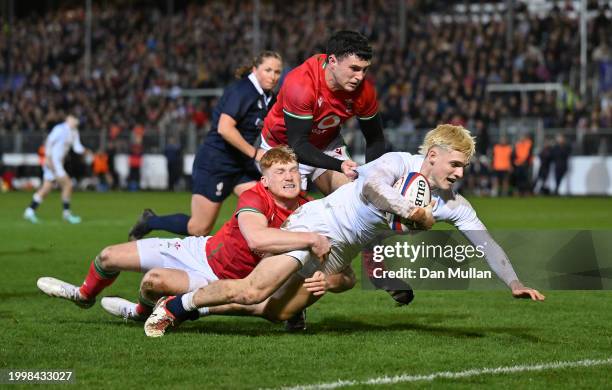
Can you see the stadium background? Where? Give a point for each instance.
(153, 71)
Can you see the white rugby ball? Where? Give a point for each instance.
(414, 187)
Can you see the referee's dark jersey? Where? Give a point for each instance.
(247, 107)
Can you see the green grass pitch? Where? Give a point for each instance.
(353, 336)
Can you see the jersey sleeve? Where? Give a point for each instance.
(368, 102)
(53, 138)
(251, 201)
(235, 103)
(77, 146)
(460, 213)
(298, 96)
(379, 177)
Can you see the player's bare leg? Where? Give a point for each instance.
(103, 271)
(260, 284)
(288, 300)
(204, 213)
(155, 283)
(30, 212)
(65, 183)
(330, 181)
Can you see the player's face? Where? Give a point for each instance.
(283, 180)
(268, 73)
(348, 72)
(446, 167)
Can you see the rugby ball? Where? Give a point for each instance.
(414, 187)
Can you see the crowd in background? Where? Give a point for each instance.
(142, 57)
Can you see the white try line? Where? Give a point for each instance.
(386, 380)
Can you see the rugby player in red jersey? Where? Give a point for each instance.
(316, 98)
(193, 262)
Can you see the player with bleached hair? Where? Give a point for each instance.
(351, 217)
(63, 137)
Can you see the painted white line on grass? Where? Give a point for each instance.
(385, 380)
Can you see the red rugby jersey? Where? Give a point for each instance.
(305, 95)
(227, 251)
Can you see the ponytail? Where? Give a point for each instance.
(245, 70)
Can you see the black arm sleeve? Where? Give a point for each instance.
(372, 130)
(297, 135)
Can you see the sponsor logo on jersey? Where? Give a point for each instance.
(328, 122)
(349, 105)
(320, 101)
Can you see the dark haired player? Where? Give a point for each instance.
(315, 99)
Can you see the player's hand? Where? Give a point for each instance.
(259, 154)
(349, 168)
(520, 291)
(423, 216)
(320, 246)
(316, 284)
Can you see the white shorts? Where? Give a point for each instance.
(335, 149)
(53, 169)
(187, 254)
(311, 218)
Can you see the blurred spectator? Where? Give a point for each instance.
(174, 162)
(111, 152)
(560, 157)
(540, 186)
(135, 163)
(502, 167)
(100, 169)
(521, 162)
(142, 59)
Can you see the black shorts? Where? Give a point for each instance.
(215, 174)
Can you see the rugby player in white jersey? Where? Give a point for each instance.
(351, 218)
(62, 138)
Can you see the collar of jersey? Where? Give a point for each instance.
(259, 88)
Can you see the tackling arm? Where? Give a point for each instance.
(261, 238)
(298, 131)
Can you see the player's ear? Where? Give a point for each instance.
(432, 155)
(264, 181)
(332, 60)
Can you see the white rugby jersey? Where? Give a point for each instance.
(353, 221)
(60, 140)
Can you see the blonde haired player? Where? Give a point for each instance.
(62, 138)
(351, 218)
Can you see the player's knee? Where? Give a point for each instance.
(106, 257)
(153, 283)
(197, 228)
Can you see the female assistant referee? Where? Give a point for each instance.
(225, 161)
